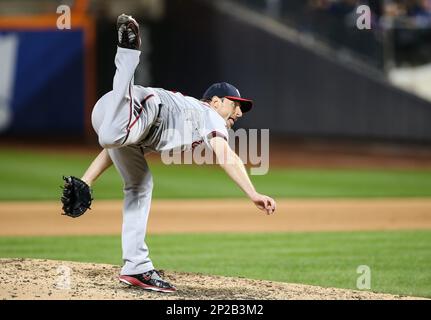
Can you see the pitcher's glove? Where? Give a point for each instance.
(76, 198)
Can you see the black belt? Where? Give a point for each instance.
(156, 123)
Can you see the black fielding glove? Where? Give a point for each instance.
(76, 197)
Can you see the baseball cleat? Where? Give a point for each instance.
(150, 280)
(128, 32)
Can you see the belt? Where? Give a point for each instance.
(156, 124)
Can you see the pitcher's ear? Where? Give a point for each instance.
(215, 101)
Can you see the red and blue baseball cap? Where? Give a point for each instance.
(226, 90)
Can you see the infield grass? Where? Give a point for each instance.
(399, 261)
(26, 175)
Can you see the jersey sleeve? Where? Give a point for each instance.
(215, 126)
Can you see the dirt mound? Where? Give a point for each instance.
(47, 279)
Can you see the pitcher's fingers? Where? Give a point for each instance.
(273, 205)
(265, 206)
(267, 203)
(270, 209)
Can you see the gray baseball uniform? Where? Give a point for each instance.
(132, 120)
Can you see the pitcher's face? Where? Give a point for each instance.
(228, 109)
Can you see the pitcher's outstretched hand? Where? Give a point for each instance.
(264, 203)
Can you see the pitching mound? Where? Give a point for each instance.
(46, 279)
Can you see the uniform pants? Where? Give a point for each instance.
(121, 118)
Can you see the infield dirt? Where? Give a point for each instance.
(45, 279)
(227, 215)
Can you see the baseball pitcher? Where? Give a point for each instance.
(131, 121)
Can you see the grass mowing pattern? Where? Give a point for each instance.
(37, 176)
(399, 261)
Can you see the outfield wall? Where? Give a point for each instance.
(47, 78)
(297, 91)
(50, 86)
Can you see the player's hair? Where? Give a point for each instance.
(209, 100)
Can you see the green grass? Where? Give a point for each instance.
(37, 176)
(399, 261)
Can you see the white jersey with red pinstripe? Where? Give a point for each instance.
(185, 123)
